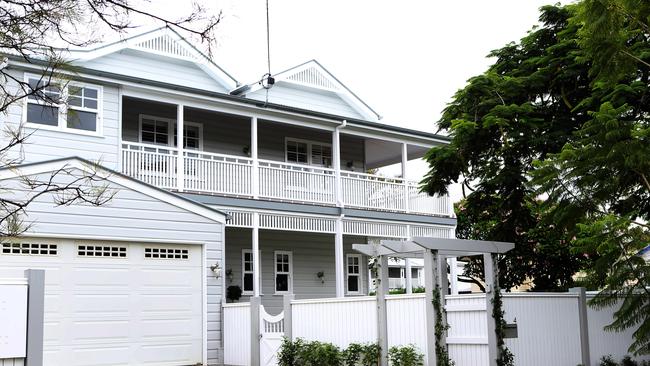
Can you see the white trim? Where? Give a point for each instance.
(62, 121)
(289, 274)
(108, 238)
(130, 183)
(357, 275)
(205, 271)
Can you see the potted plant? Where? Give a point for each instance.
(233, 293)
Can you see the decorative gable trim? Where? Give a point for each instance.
(164, 42)
(313, 75)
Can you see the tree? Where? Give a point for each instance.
(521, 109)
(40, 32)
(603, 173)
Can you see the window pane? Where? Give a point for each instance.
(282, 282)
(394, 272)
(43, 115)
(148, 137)
(75, 90)
(90, 93)
(353, 283)
(90, 103)
(80, 120)
(248, 282)
(74, 101)
(414, 273)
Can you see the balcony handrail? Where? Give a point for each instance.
(230, 159)
(280, 165)
(159, 149)
(371, 177)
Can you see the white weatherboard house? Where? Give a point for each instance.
(206, 173)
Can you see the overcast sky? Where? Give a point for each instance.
(404, 58)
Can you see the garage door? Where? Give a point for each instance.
(109, 303)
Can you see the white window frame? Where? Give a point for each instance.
(275, 272)
(244, 272)
(63, 107)
(171, 126)
(357, 275)
(310, 144)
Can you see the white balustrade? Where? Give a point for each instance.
(217, 173)
(155, 165)
(213, 173)
(295, 182)
(373, 191)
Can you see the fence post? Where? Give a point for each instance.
(491, 286)
(584, 324)
(288, 327)
(382, 313)
(35, 316)
(430, 282)
(255, 303)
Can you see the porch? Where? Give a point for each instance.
(239, 156)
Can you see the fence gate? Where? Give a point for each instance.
(272, 331)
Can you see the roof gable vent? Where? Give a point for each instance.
(166, 45)
(312, 77)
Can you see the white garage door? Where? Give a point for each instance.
(115, 303)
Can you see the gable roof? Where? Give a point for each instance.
(163, 41)
(312, 75)
(117, 178)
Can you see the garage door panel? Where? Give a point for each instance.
(118, 311)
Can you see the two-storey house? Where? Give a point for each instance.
(217, 183)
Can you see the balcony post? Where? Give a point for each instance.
(339, 258)
(256, 253)
(180, 168)
(255, 176)
(336, 164)
(405, 159)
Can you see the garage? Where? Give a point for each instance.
(115, 302)
(127, 282)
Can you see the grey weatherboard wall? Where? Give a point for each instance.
(312, 253)
(128, 216)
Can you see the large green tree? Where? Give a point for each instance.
(521, 109)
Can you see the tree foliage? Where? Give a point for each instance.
(554, 138)
(521, 109)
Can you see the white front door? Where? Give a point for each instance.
(115, 303)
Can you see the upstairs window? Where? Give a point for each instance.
(154, 130)
(192, 137)
(157, 131)
(73, 107)
(308, 152)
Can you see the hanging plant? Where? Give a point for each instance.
(442, 354)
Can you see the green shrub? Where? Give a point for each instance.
(626, 361)
(302, 353)
(405, 356)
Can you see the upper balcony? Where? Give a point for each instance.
(230, 155)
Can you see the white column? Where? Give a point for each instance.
(430, 280)
(336, 164)
(453, 275)
(339, 258)
(405, 159)
(407, 270)
(255, 176)
(256, 254)
(180, 168)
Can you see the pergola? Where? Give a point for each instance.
(435, 252)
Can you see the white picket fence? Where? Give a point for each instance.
(548, 327)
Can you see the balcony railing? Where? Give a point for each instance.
(229, 175)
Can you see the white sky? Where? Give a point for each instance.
(406, 59)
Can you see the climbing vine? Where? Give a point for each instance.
(505, 357)
(442, 355)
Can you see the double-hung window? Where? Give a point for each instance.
(354, 273)
(71, 107)
(283, 269)
(308, 152)
(247, 271)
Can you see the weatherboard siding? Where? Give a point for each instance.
(312, 253)
(148, 66)
(321, 101)
(131, 215)
(45, 144)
